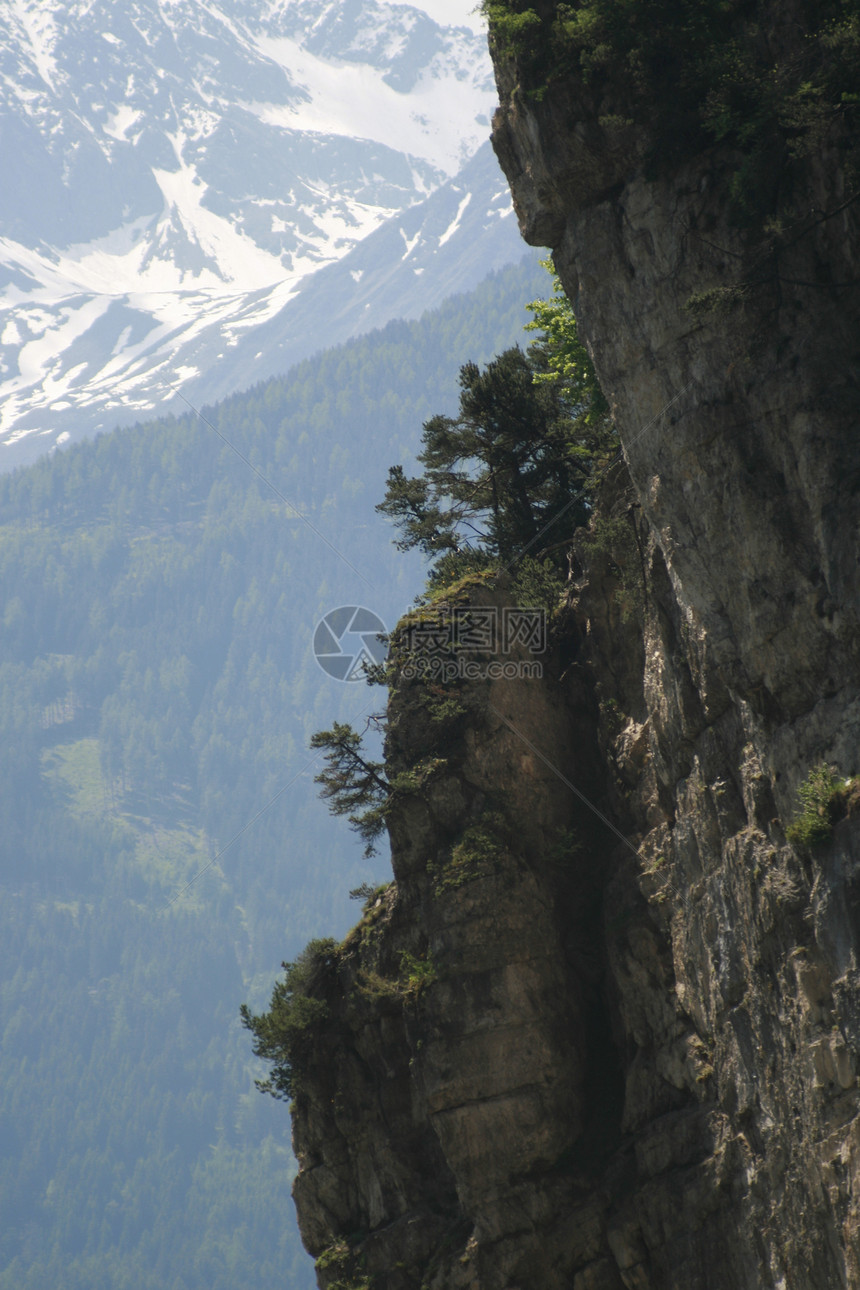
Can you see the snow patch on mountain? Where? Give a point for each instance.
(182, 171)
(455, 223)
(350, 99)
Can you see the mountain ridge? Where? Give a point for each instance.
(185, 172)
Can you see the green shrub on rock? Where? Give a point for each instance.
(282, 1034)
(825, 799)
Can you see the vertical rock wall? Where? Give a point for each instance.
(633, 1061)
(741, 430)
(449, 1106)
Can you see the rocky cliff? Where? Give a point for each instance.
(604, 1029)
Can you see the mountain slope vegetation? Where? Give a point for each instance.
(163, 845)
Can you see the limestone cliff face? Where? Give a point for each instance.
(455, 1084)
(741, 435)
(632, 1061)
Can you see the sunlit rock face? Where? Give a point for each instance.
(678, 1012)
(740, 429)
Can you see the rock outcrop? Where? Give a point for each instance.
(452, 1089)
(604, 1029)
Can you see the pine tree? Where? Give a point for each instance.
(511, 473)
(352, 784)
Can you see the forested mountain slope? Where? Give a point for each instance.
(157, 695)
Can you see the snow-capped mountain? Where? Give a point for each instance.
(444, 245)
(176, 170)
